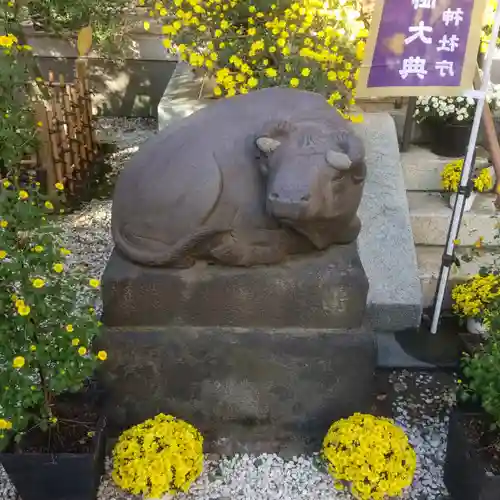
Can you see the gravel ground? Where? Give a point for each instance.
(86, 232)
(419, 402)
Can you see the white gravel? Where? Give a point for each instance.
(421, 406)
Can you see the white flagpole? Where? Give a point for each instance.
(466, 176)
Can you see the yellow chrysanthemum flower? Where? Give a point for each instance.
(102, 355)
(5, 424)
(58, 267)
(18, 362)
(24, 310)
(38, 283)
(271, 72)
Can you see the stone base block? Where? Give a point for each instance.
(324, 290)
(246, 390)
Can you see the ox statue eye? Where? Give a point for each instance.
(339, 161)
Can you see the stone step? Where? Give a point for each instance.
(422, 168)
(429, 264)
(430, 217)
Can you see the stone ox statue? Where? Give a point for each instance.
(246, 181)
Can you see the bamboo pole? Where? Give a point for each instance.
(64, 153)
(81, 71)
(54, 137)
(80, 137)
(73, 130)
(70, 130)
(44, 152)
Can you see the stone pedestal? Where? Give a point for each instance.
(324, 290)
(260, 360)
(247, 390)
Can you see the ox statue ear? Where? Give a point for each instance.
(267, 144)
(338, 160)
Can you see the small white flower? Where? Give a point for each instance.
(441, 113)
(427, 109)
(460, 118)
(460, 99)
(416, 112)
(470, 101)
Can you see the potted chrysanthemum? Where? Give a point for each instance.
(369, 456)
(472, 299)
(158, 458)
(482, 180)
(449, 120)
(51, 428)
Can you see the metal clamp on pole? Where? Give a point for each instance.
(449, 260)
(467, 189)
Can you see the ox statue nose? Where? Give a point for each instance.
(287, 207)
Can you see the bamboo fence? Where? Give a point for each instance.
(67, 147)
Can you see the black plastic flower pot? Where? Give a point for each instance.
(59, 476)
(449, 140)
(467, 474)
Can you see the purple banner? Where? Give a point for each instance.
(421, 43)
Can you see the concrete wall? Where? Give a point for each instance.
(130, 88)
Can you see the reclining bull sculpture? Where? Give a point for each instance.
(246, 181)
